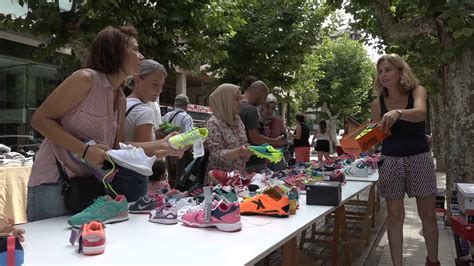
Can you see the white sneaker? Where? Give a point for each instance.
(358, 169)
(133, 158)
(258, 181)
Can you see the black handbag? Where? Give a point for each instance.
(79, 192)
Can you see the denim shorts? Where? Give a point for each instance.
(130, 184)
(45, 201)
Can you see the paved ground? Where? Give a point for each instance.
(414, 251)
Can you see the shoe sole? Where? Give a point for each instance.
(140, 211)
(222, 227)
(164, 221)
(119, 218)
(141, 170)
(272, 215)
(94, 250)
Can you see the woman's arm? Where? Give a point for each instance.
(216, 139)
(418, 113)
(66, 96)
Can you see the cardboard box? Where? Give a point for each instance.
(363, 138)
(326, 193)
(465, 196)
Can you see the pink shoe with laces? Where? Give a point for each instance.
(224, 216)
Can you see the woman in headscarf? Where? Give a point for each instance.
(227, 138)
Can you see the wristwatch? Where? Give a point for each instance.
(399, 113)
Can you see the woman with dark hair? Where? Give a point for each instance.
(322, 138)
(406, 165)
(88, 105)
(301, 140)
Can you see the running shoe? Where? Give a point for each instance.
(104, 209)
(186, 139)
(144, 204)
(93, 238)
(166, 128)
(225, 178)
(133, 158)
(267, 151)
(166, 214)
(270, 204)
(224, 216)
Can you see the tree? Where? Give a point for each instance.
(439, 35)
(173, 32)
(341, 75)
(272, 41)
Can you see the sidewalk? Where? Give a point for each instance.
(414, 250)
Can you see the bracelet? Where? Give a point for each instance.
(85, 151)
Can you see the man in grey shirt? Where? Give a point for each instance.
(255, 93)
(181, 118)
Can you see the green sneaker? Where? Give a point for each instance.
(104, 209)
(167, 128)
(188, 138)
(266, 151)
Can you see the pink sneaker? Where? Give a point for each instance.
(224, 216)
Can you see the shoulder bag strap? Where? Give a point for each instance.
(131, 108)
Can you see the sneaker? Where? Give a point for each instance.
(227, 192)
(224, 178)
(173, 196)
(258, 181)
(337, 175)
(11, 251)
(166, 128)
(358, 169)
(224, 216)
(185, 139)
(104, 209)
(93, 238)
(144, 204)
(271, 204)
(292, 193)
(242, 191)
(164, 215)
(267, 151)
(133, 158)
(185, 202)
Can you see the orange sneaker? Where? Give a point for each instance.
(93, 238)
(271, 204)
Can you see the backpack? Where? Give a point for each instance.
(194, 173)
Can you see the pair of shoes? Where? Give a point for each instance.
(166, 214)
(11, 251)
(186, 139)
(291, 192)
(359, 168)
(104, 209)
(270, 203)
(266, 151)
(91, 238)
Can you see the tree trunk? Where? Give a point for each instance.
(438, 130)
(460, 117)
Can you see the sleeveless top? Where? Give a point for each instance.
(408, 138)
(304, 140)
(94, 118)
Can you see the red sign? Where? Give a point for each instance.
(199, 108)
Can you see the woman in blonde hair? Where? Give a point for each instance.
(406, 164)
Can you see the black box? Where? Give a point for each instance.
(325, 193)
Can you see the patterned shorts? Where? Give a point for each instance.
(414, 175)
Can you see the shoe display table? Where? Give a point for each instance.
(139, 241)
(13, 192)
